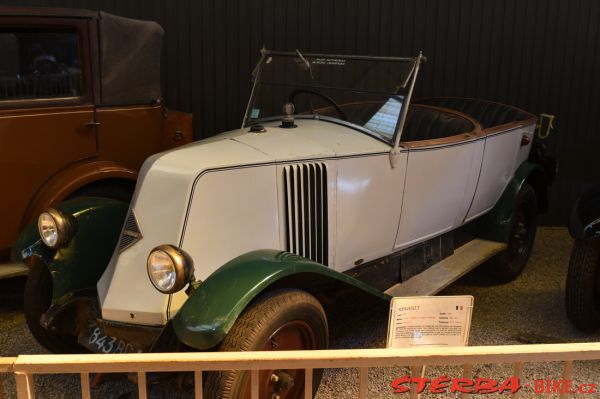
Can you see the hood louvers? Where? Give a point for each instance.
(305, 187)
(131, 232)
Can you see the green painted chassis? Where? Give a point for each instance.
(213, 307)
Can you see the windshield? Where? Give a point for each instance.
(368, 93)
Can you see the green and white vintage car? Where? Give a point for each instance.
(336, 184)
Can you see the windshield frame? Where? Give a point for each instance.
(407, 86)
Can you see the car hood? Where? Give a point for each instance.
(311, 139)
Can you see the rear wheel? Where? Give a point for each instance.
(281, 320)
(582, 294)
(508, 265)
(36, 301)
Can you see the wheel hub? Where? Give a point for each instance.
(285, 384)
(282, 382)
(519, 235)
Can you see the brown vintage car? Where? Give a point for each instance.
(80, 110)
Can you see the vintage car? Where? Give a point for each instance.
(582, 292)
(335, 186)
(80, 110)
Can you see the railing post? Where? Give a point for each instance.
(568, 370)
(308, 383)
(467, 374)
(85, 385)
(198, 384)
(517, 372)
(415, 371)
(363, 383)
(25, 386)
(142, 386)
(254, 384)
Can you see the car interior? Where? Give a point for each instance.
(434, 118)
(488, 113)
(423, 122)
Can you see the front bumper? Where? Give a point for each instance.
(79, 316)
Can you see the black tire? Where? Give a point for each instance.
(582, 294)
(256, 328)
(36, 301)
(508, 265)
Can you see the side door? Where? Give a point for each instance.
(369, 200)
(503, 155)
(46, 108)
(441, 179)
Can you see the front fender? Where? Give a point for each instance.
(495, 225)
(584, 223)
(79, 264)
(209, 313)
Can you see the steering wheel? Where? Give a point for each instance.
(328, 99)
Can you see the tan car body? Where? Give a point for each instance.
(53, 148)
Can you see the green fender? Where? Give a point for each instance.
(80, 263)
(210, 311)
(495, 225)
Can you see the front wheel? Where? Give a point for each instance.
(508, 265)
(281, 320)
(582, 294)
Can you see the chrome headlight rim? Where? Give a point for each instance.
(182, 264)
(65, 225)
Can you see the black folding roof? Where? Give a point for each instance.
(130, 52)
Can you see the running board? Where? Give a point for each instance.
(8, 270)
(444, 273)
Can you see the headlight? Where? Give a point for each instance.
(170, 269)
(56, 228)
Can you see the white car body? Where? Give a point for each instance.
(336, 190)
(241, 190)
(235, 200)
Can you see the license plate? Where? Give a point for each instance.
(95, 340)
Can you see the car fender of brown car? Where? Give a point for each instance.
(74, 177)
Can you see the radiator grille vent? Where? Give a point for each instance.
(305, 187)
(131, 232)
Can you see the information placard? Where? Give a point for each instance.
(429, 321)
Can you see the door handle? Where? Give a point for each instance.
(92, 124)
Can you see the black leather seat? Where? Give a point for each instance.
(424, 123)
(488, 113)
